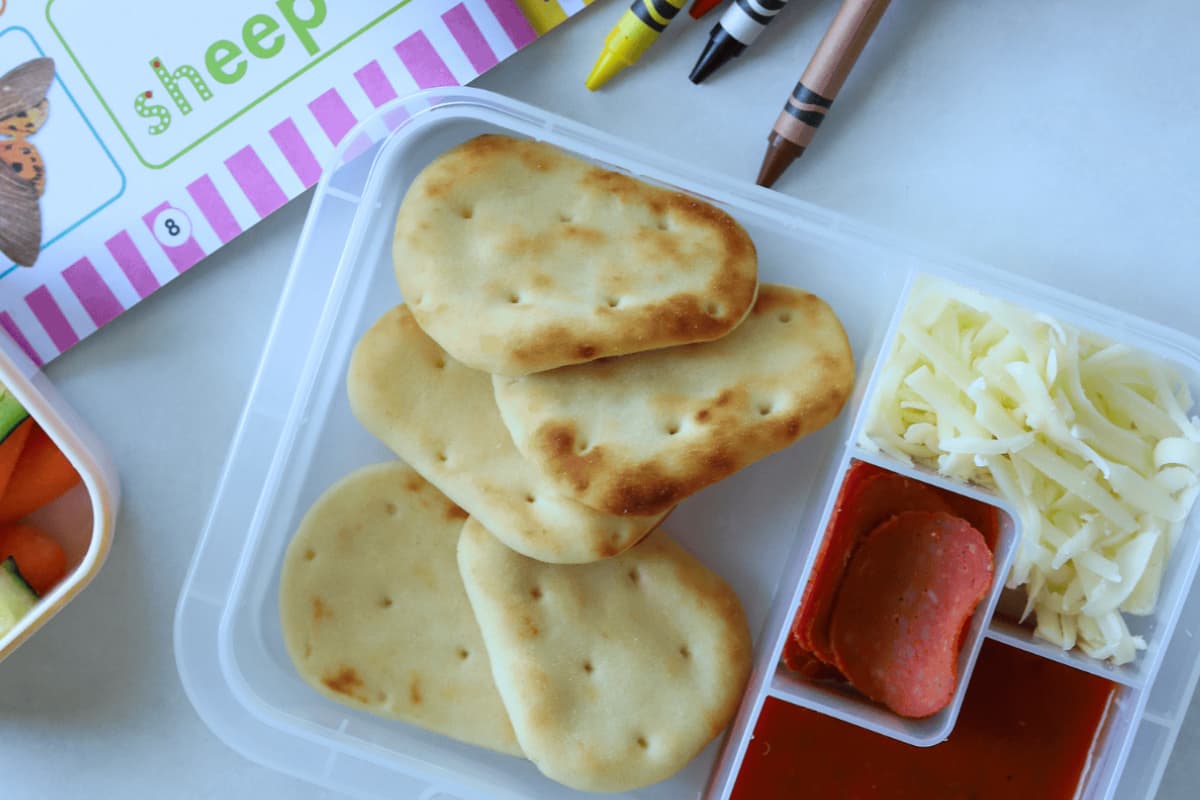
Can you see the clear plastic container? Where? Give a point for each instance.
(852, 707)
(759, 527)
(82, 520)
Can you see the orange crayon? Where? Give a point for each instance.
(702, 7)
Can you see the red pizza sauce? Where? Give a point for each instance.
(1024, 733)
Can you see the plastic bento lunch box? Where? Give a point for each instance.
(81, 520)
(759, 529)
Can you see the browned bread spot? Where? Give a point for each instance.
(345, 681)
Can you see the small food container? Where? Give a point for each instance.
(834, 697)
(82, 520)
(760, 528)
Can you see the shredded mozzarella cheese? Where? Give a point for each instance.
(1089, 440)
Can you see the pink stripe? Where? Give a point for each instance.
(183, 255)
(251, 174)
(519, 31)
(297, 153)
(378, 88)
(424, 63)
(464, 30)
(46, 309)
(10, 326)
(213, 207)
(97, 299)
(130, 260)
(333, 115)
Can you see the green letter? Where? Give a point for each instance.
(220, 55)
(254, 39)
(301, 27)
(153, 111)
(170, 81)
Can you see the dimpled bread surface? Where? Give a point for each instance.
(615, 674)
(441, 418)
(516, 258)
(638, 434)
(374, 613)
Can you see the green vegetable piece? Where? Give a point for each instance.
(12, 413)
(16, 596)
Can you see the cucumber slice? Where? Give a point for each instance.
(16, 597)
(12, 413)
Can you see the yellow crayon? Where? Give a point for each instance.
(542, 14)
(637, 29)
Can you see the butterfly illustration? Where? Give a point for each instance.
(23, 109)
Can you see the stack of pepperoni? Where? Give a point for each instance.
(900, 571)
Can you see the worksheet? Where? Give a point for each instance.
(170, 129)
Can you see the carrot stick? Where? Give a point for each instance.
(10, 451)
(40, 560)
(42, 474)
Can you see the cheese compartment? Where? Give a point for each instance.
(758, 528)
(1138, 338)
(828, 692)
(82, 520)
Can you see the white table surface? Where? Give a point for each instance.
(1051, 138)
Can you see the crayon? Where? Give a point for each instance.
(702, 7)
(822, 79)
(638, 28)
(737, 29)
(542, 14)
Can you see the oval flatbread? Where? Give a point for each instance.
(638, 434)
(516, 258)
(615, 674)
(374, 613)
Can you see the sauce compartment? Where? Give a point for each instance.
(1029, 728)
(760, 528)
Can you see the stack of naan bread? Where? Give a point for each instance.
(578, 352)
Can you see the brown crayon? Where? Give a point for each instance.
(822, 79)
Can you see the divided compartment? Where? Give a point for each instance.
(838, 699)
(1109, 770)
(1128, 733)
(757, 528)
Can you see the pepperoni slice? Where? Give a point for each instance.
(800, 661)
(869, 496)
(906, 596)
(983, 518)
